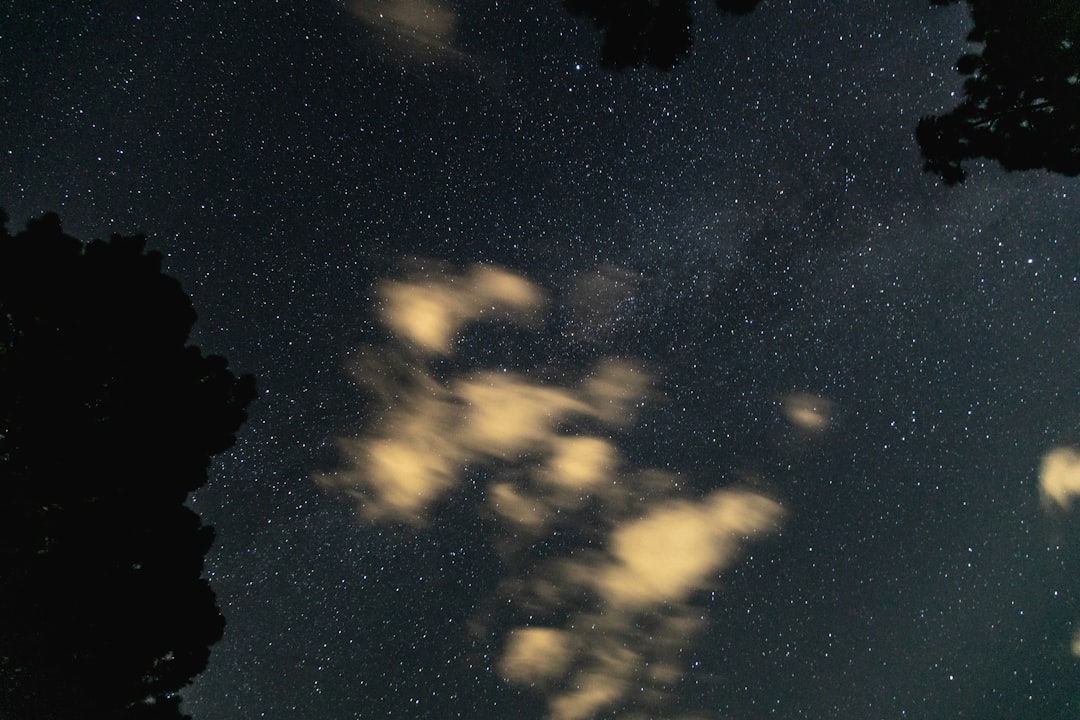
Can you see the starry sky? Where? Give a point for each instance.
(588, 394)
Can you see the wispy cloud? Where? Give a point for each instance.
(807, 412)
(414, 30)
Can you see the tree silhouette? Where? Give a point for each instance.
(1021, 102)
(107, 422)
(657, 32)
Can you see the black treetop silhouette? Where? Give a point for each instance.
(107, 421)
(657, 32)
(1021, 102)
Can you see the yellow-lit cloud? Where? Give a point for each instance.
(807, 412)
(1059, 482)
(536, 655)
(416, 30)
(595, 690)
(428, 313)
(615, 390)
(643, 578)
(507, 415)
(653, 547)
(678, 547)
(579, 464)
(1059, 478)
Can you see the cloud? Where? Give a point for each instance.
(637, 617)
(1059, 478)
(536, 655)
(507, 416)
(807, 412)
(588, 628)
(414, 30)
(615, 389)
(596, 689)
(677, 547)
(1059, 482)
(427, 313)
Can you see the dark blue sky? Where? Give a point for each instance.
(767, 202)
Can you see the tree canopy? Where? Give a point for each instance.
(107, 421)
(655, 32)
(1021, 103)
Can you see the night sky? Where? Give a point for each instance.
(424, 225)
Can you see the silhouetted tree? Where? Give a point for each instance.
(1021, 102)
(107, 422)
(657, 32)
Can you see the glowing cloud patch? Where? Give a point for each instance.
(676, 548)
(429, 313)
(416, 30)
(508, 416)
(807, 412)
(536, 654)
(618, 610)
(1059, 478)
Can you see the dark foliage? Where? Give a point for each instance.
(1021, 102)
(656, 32)
(737, 7)
(636, 31)
(107, 422)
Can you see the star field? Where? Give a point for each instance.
(764, 222)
